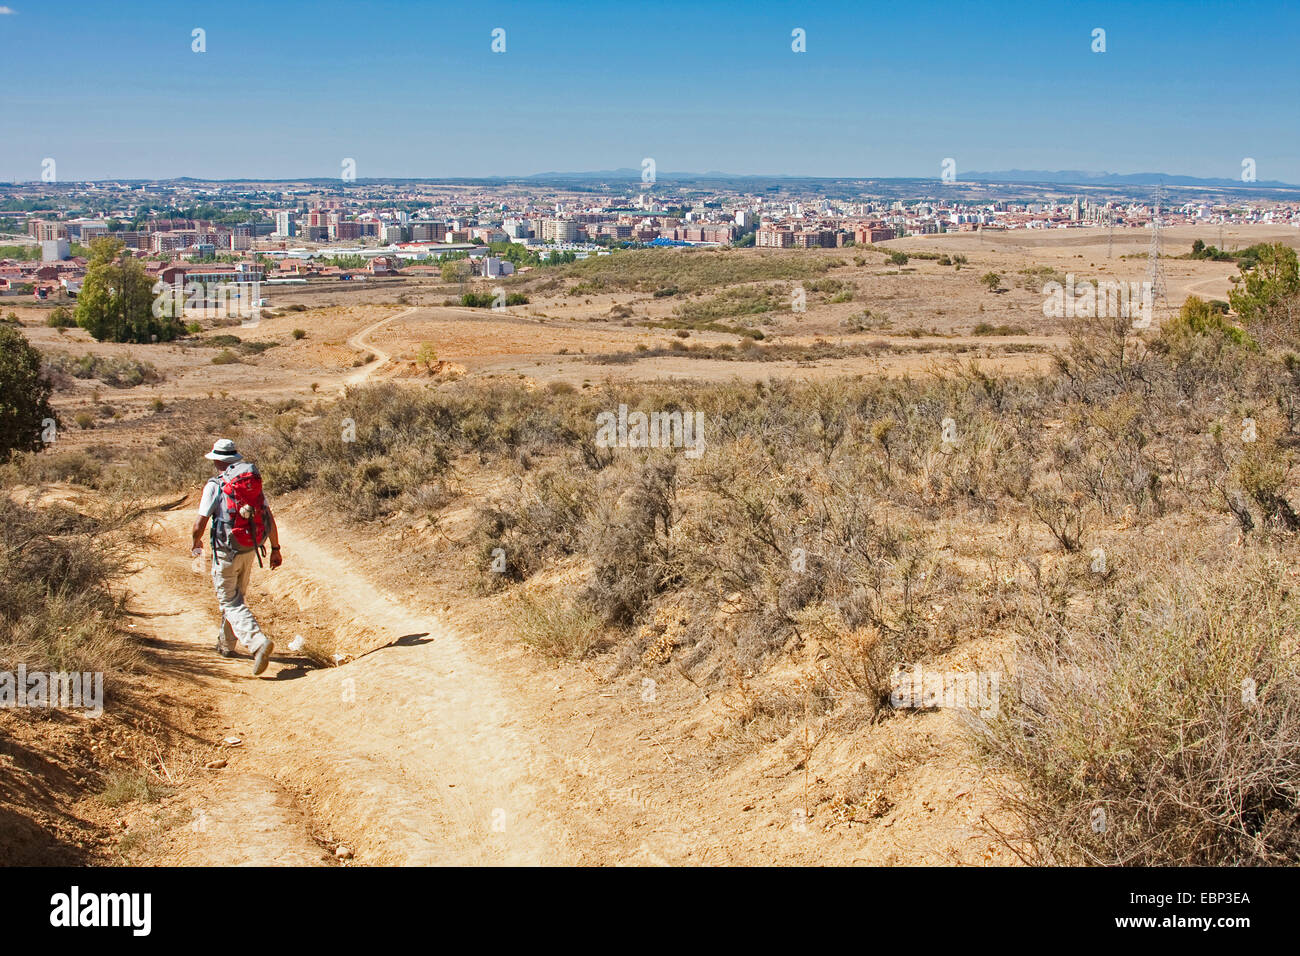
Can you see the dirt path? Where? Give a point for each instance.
(442, 747)
(411, 751)
(360, 342)
(1218, 287)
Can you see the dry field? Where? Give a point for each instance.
(437, 714)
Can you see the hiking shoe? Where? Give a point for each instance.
(225, 651)
(262, 657)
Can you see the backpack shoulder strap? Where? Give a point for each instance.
(215, 481)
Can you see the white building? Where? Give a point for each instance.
(494, 267)
(55, 250)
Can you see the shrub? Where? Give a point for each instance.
(114, 371)
(76, 466)
(61, 318)
(543, 522)
(25, 409)
(58, 609)
(563, 629)
(984, 328)
(629, 544)
(1163, 733)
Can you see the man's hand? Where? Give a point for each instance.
(276, 560)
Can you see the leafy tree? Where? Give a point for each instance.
(116, 300)
(899, 259)
(455, 271)
(24, 395)
(21, 253)
(992, 281)
(514, 252)
(1271, 286)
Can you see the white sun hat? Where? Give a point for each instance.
(223, 449)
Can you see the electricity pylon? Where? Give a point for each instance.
(1155, 268)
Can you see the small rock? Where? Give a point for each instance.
(214, 765)
(343, 852)
(232, 741)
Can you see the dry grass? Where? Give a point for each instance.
(1162, 729)
(58, 608)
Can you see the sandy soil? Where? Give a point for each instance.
(445, 744)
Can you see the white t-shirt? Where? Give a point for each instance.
(211, 492)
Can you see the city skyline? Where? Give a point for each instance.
(412, 92)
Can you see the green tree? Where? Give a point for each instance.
(456, 270)
(25, 410)
(116, 303)
(992, 281)
(1271, 286)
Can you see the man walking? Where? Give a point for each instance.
(241, 524)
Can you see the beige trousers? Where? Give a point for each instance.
(230, 575)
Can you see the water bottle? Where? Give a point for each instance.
(197, 564)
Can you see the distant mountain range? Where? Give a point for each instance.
(1057, 177)
(973, 186)
(1078, 177)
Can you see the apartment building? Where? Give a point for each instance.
(44, 230)
(559, 230)
(774, 237)
(870, 232)
(814, 239)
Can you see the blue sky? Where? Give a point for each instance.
(413, 89)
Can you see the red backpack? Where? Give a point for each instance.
(240, 522)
